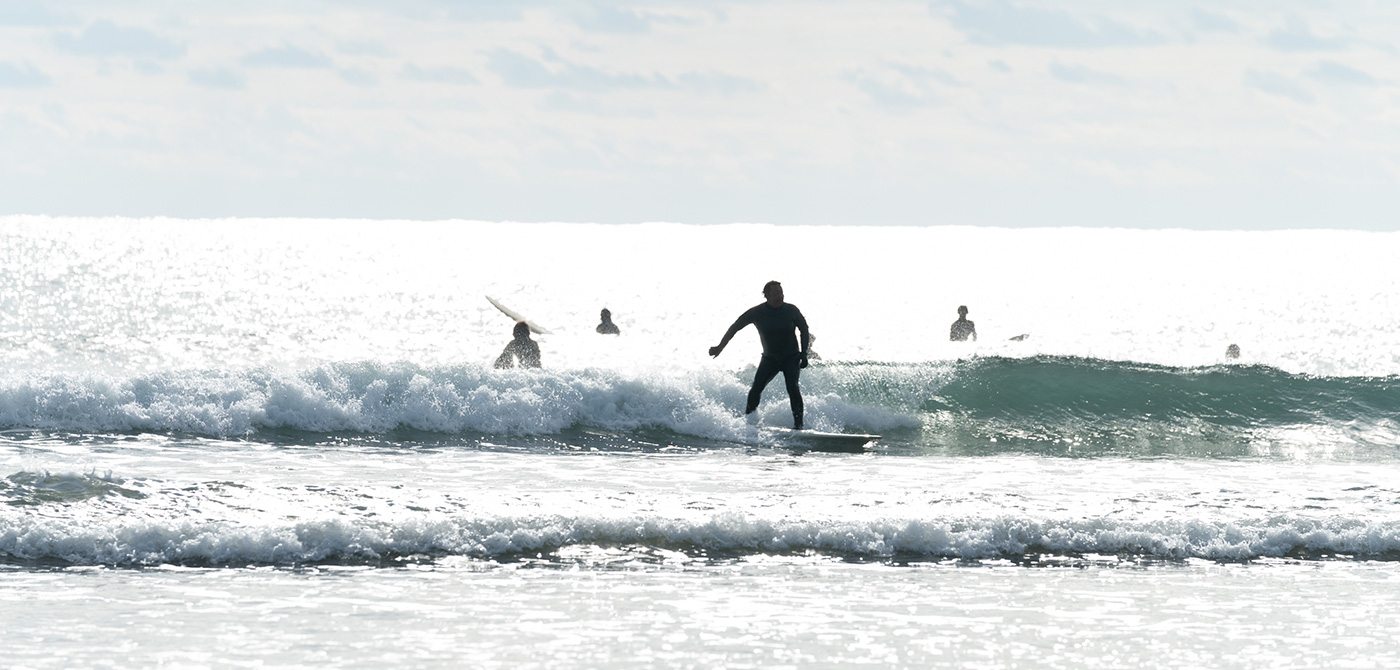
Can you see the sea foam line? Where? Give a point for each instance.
(377, 398)
(125, 543)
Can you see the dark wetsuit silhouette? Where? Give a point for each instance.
(961, 330)
(607, 327)
(522, 347)
(781, 352)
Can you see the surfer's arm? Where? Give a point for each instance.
(744, 319)
(505, 360)
(801, 323)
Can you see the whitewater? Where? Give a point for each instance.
(282, 442)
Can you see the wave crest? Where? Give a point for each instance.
(337, 540)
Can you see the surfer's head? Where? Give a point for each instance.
(773, 291)
(522, 329)
(606, 314)
(962, 310)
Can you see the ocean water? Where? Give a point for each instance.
(281, 443)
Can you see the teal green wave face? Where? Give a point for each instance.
(1078, 388)
(1063, 405)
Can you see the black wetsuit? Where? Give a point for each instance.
(781, 352)
(524, 348)
(961, 330)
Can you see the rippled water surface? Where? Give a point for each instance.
(281, 443)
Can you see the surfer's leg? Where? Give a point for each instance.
(767, 370)
(790, 375)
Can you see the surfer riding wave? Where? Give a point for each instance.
(775, 321)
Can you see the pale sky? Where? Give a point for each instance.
(1250, 114)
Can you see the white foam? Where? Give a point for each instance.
(124, 542)
(374, 398)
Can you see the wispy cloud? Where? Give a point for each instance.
(28, 13)
(718, 83)
(1277, 84)
(438, 75)
(902, 85)
(520, 71)
(623, 20)
(357, 77)
(1337, 73)
(891, 93)
(1211, 21)
(612, 20)
(287, 56)
(565, 101)
(1078, 74)
(470, 10)
(104, 38)
(363, 48)
(1298, 36)
(866, 94)
(217, 78)
(1000, 22)
(22, 76)
(924, 74)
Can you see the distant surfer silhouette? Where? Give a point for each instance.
(522, 348)
(607, 327)
(1232, 351)
(962, 328)
(775, 321)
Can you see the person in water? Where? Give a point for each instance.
(962, 328)
(607, 327)
(522, 347)
(775, 321)
(1232, 351)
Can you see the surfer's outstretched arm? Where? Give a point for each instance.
(745, 319)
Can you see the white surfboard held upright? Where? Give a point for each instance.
(517, 316)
